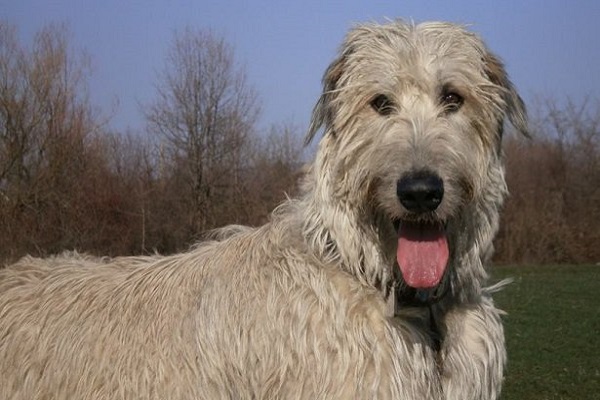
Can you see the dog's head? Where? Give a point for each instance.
(413, 119)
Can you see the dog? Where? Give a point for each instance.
(370, 285)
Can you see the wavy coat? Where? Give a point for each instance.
(310, 305)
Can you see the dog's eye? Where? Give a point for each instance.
(451, 101)
(382, 104)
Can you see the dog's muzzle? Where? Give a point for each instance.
(423, 252)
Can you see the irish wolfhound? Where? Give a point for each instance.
(370, 285)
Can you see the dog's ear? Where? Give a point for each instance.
(515, 107)
(322, 114)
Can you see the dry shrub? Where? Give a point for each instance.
(553, 212)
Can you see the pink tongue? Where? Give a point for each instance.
(422, 254)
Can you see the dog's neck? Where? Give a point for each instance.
(340, 231)
(339, 237)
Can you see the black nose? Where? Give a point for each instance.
(420, 191)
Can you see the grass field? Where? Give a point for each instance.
(552, 332)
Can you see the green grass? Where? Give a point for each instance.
(552, 332)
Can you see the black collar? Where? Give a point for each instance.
(407, 296)
(411, 297)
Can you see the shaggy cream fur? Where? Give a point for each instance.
(312, 305)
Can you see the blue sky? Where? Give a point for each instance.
(551, 48)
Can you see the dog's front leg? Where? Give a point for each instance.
(473, 352)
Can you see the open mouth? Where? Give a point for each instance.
(422, 253)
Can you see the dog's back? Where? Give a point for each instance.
(76, 327)
(235, 319)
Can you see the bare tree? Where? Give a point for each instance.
(205, 111)
(277, 164)
(45, 121)
(42, 99)
(68, 183)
